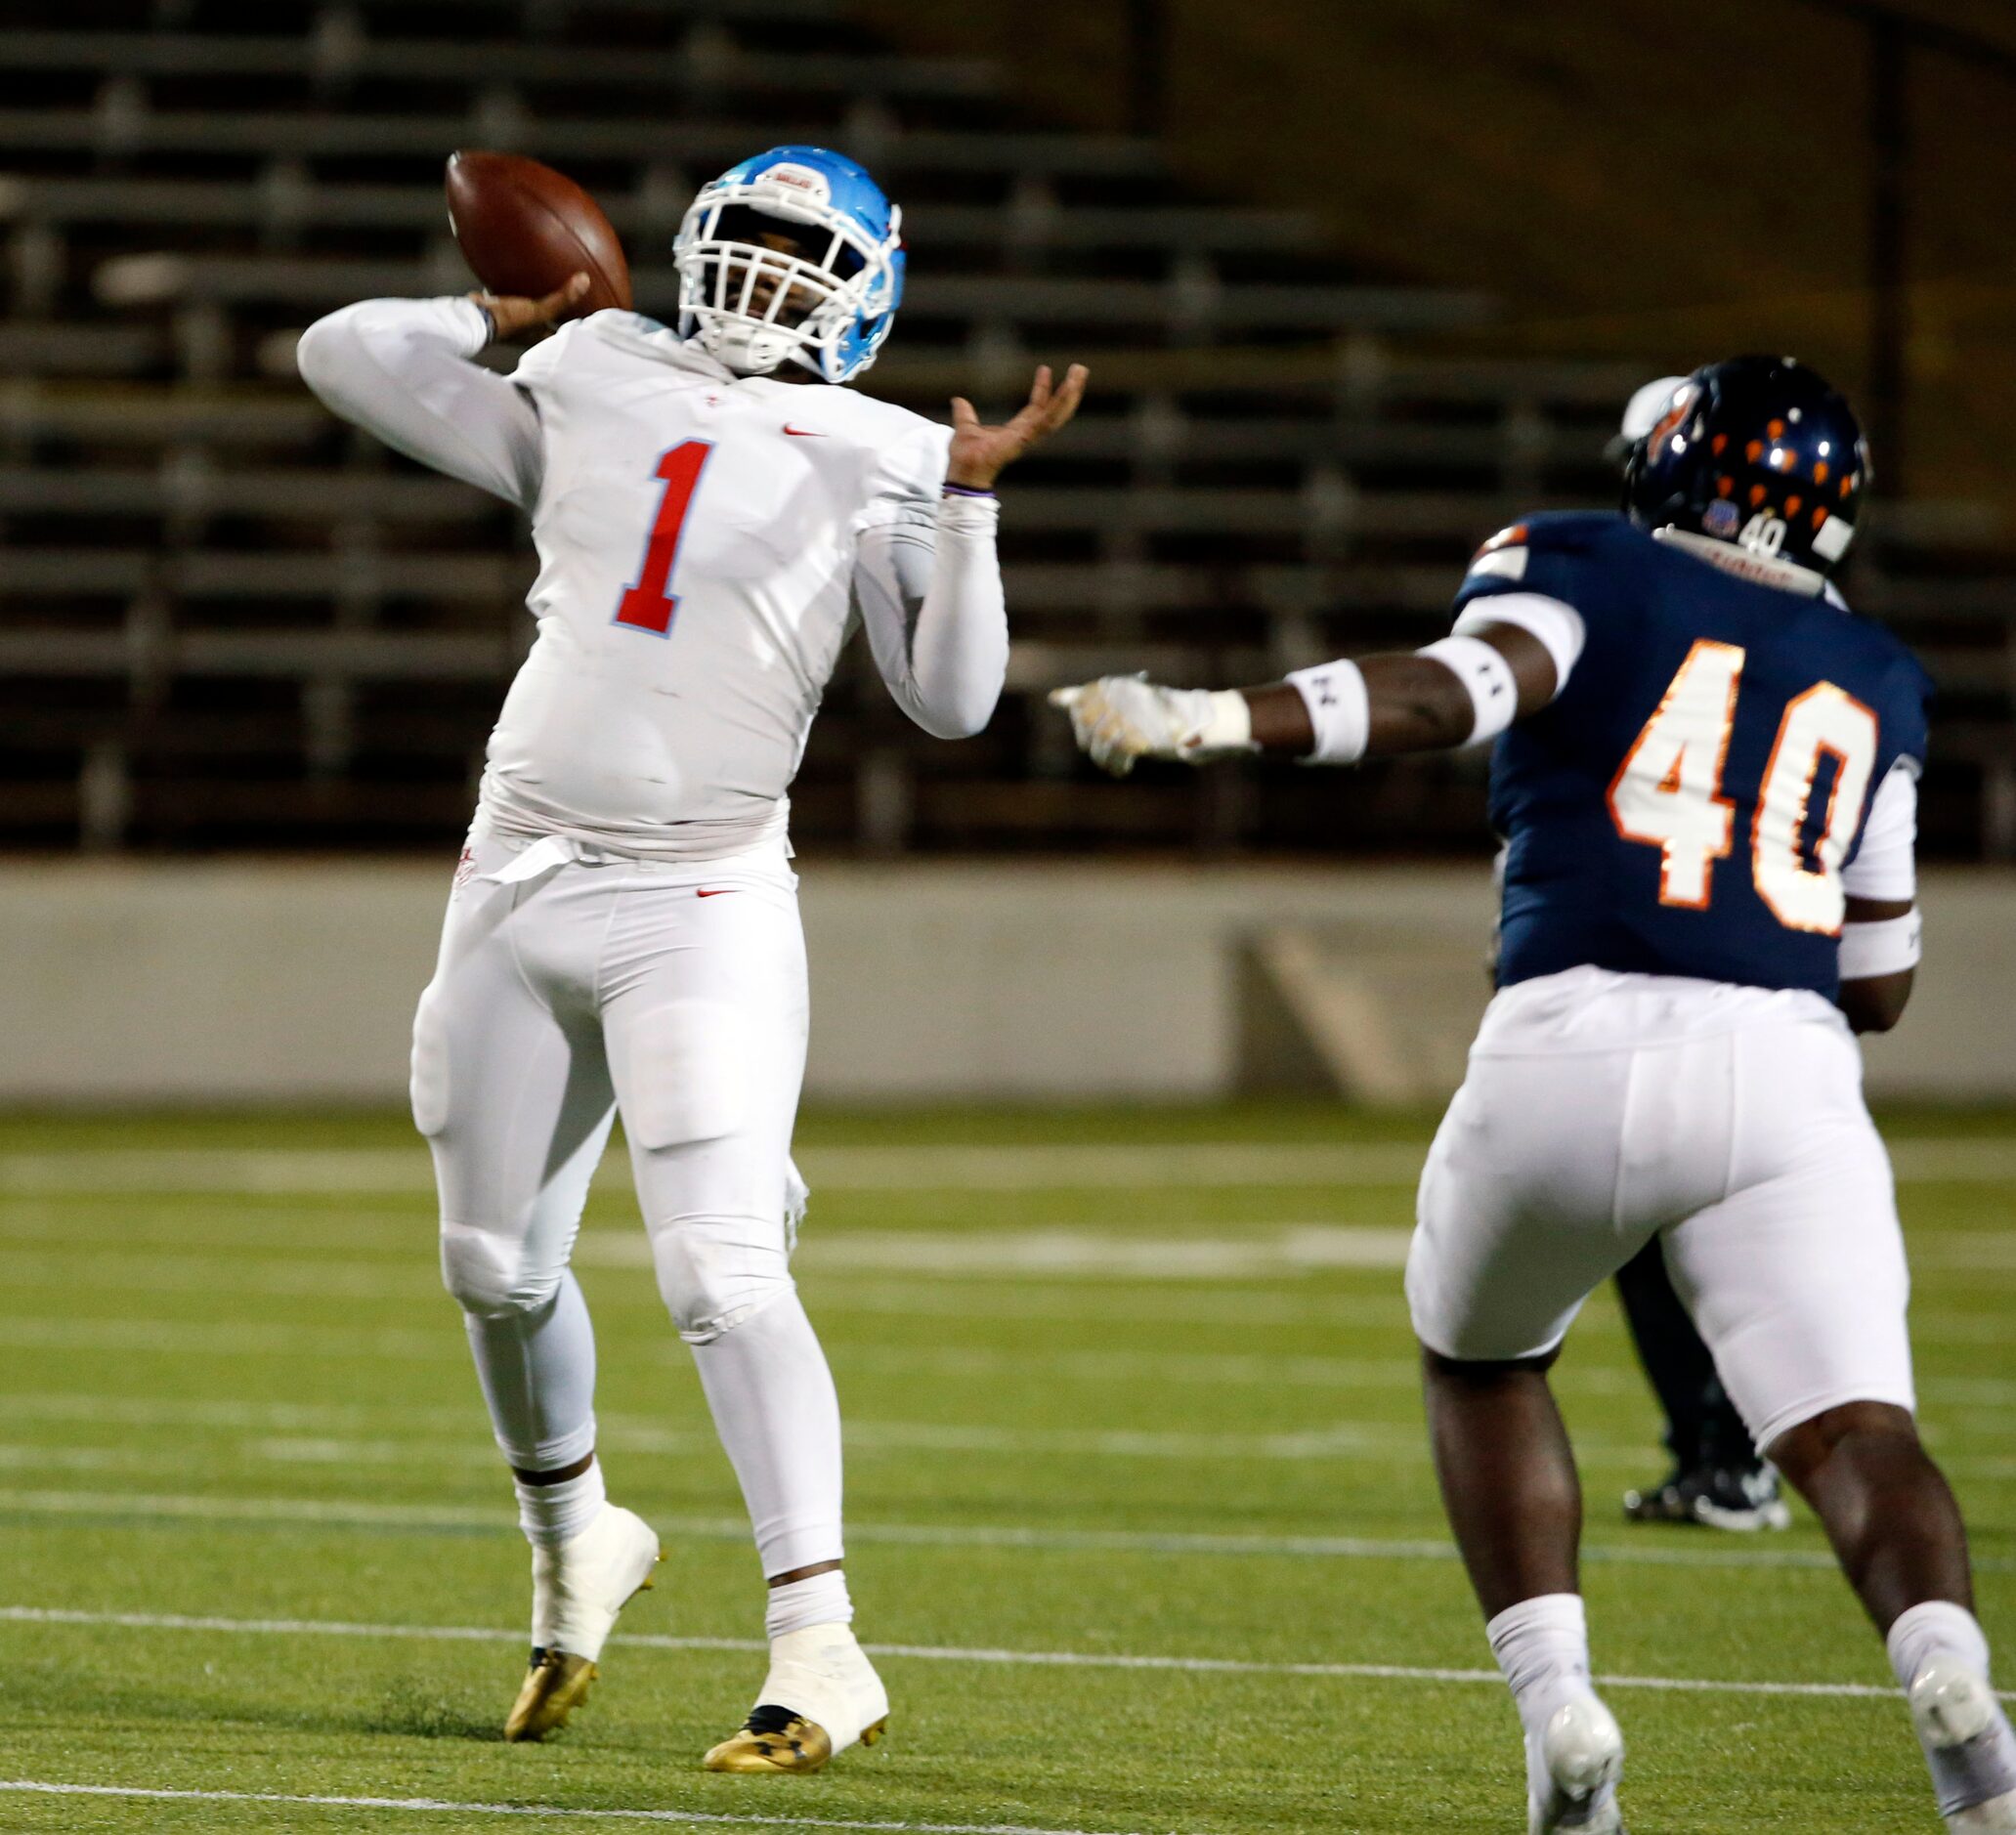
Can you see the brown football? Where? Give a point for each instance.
(525, 228)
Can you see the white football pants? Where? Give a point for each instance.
(1600, 1110)
(571, 983)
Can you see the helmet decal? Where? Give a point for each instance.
(1676, 410)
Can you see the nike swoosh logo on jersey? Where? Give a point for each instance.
(803, 433)
(712, 891)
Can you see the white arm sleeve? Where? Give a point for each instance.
(399, 368)
(1885, 866)
(1556, 624)
(928, 586)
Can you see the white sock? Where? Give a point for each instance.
(1937, 1626)
(1985, 1766)
(801, 1605)
(1542, 1645)
(553, 1514)
(779, 1419)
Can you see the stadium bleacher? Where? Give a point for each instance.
(228, 621)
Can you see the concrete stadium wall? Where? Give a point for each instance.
(129, 983)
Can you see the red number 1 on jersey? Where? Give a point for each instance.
(648, 606)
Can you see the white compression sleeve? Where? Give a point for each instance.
(928, 586)
(1887, 946)
(1486, 677)
(399, 368)
(1556, 624)
(1884, 866)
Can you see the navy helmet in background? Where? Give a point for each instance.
(1759, 452)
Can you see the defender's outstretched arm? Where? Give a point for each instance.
(1424, 701)
(1506, 661)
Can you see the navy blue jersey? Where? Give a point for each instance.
(1686, 805)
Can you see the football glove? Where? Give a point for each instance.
(1119, 718)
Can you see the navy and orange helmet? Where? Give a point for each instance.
(1758, 451)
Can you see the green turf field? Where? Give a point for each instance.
(1141, 1510)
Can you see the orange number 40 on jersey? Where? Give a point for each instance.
(1668, 792)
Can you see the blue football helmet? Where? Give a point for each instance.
(1758, 451)
(753, 307)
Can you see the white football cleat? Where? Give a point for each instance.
(821, 1696)
(1583, 1751)
(576, 1591)
(1951, 1704)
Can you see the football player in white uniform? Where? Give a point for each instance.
(712, 514)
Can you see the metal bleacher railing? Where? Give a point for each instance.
(227, 621)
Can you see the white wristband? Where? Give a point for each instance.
(964, 514)
(1226, 726)
(1339, 710)
(1486, 674)
(1886, 947)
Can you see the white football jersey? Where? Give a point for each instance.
(696, 536)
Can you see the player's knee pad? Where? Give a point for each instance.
(490, 1275)
(715, 1273)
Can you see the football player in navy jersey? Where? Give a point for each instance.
(1719, 1478)
(1705, 773)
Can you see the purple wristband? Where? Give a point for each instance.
(965, 490)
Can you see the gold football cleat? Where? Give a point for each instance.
(557, 1682)
(774, 1739)
(554, 1687)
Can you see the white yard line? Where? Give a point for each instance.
(348, 1262)
(257, 1270)
(1182, 1252)
(239, 1338)
(1585, 1376)
(1388, 1443)
(261, 1172)
(334, 1512)
(359, 1513)
(304, 1434)
(397, 1419)
(928, 1653)
(22, 1786)
(1093, 1166)
(195, 1223)
(1035, 1167)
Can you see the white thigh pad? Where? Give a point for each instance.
(429, 1085)
(687, 1074)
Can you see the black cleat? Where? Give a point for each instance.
(1743, 1498)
